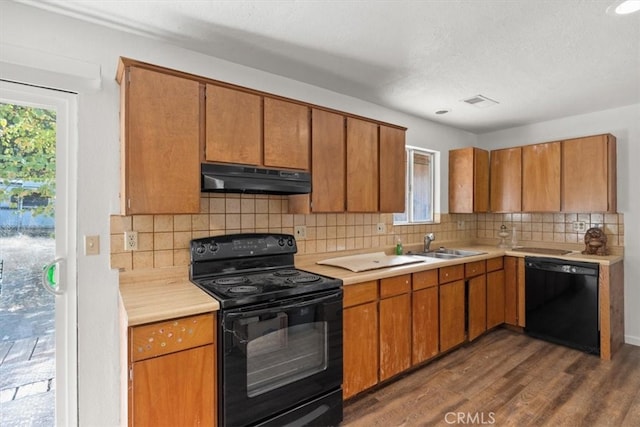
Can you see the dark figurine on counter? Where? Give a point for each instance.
(595, 242)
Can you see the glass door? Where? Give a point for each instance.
(38, 343)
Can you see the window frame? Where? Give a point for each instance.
(409, 186)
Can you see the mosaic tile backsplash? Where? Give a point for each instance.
(163, 240)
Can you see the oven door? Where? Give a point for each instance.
(279, 356)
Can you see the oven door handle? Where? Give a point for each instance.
(279, 308)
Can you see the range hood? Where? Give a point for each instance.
(229, 178)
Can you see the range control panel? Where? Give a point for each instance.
(242, 245)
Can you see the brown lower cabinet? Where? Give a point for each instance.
(474, 272)
(360, 338)
(398, 322)
(452, 306)
(172, 377)
(165, 393)
(514, 309)
(451, 315)
(424, 316)
(477, 306)
(395, 325)
(495, 298)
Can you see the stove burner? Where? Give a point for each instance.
(230, 280)
(243, 289)
(309, 278)
(286, 273)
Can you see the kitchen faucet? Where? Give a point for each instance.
(428, 238)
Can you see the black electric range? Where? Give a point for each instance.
(279, 329)
(246, 269)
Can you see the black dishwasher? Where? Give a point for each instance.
(561, 301)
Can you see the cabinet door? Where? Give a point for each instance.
(286, 134)
(234, 126)
(393, 164)
(514, 304)
(541, 177)
(175, 389)
(506, 180)
(495, 298)
(452, 311)
(477, 306)
(328, 162)
(161, 143)
(362, 166)
(468, 180)
(589, 174)
(510, 290)
(360, 348)
(425, 324)
(395, 335)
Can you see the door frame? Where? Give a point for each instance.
(66, 314)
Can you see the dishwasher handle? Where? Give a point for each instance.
(561, 266)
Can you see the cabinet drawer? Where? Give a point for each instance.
(160, 338)
(494, 264)
(360, 293)
(474, 268)
(395, 286)
(425, 279)
(451, 273)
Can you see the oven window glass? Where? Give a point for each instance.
(279, 353)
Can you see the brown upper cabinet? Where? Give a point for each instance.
(541, 177)
(506, 180)
(286, 134)
(328, 160)
(589, 174)
(362, 165)
(328, 165)
(246, 128)
(233, 126)
(160, 122)
(468, 180)
(392, 169)
(357, 166)
(575, 175)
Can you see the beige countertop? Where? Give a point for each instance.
(309, 263)
(159, 294)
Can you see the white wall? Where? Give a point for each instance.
(624, 123)
(66, 52)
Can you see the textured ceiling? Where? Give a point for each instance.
(539, 59)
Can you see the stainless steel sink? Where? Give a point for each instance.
(446, 253)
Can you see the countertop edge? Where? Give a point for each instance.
(153, 295)
(349, 277)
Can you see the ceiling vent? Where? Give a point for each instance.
(480, 101)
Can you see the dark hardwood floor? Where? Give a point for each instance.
(508, 379)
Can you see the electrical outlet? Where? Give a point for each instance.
(579, 226)
(381, 228)
(301, 232)
(460, 225)
(92, 245)
(130, 240)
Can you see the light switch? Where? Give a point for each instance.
(91, 245)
